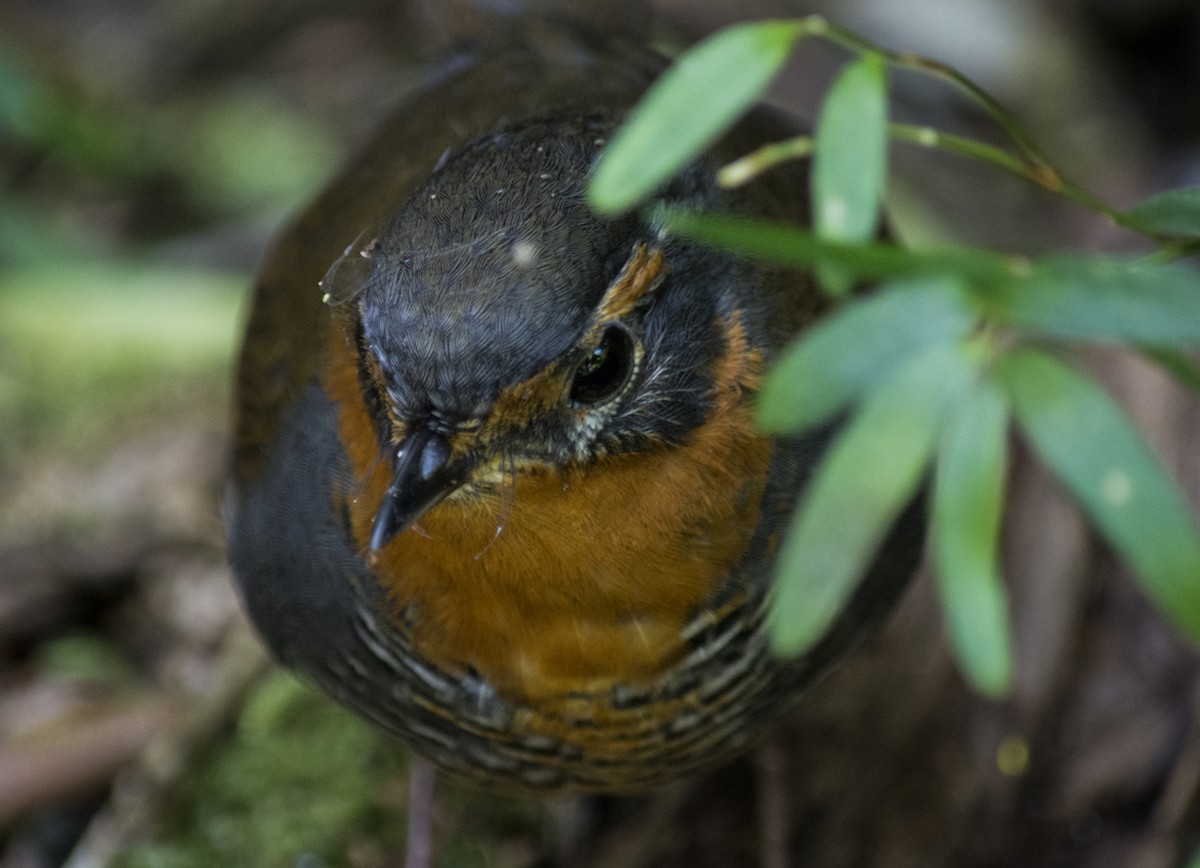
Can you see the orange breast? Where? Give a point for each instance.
(574, 579)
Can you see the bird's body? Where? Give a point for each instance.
(502, 494)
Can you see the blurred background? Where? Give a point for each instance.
(148, 151)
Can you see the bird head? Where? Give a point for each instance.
(506, 328)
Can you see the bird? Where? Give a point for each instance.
(496, 484)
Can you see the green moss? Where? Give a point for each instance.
(299, 777)
(303, 782)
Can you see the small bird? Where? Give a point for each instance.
(496, 482)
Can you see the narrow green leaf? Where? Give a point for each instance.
(872, 471)
(687, 109)
(849, 166)
(794, 246)
(968, 502)
(849, 352)
(1175, 212)
(1088, 442)
(1097, 299)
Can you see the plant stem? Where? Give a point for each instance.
(928, 137)
(758, 161)
(1031, 163)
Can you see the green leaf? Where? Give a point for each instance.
(687, 109)
(849, 167)
(849, 352)
(1175, 212)
(872, 470)
(1105, 299)
(791, 245)
(850, 163)
(1089, 444)
(968, 503)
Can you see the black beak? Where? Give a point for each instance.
(424, 475)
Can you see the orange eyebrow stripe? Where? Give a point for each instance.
(524, 402)
(642, 273)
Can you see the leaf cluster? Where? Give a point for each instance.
(948, 351)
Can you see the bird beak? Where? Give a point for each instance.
(424, 475)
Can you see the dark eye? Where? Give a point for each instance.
(605, 370)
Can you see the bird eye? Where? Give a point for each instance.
(606, 369)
